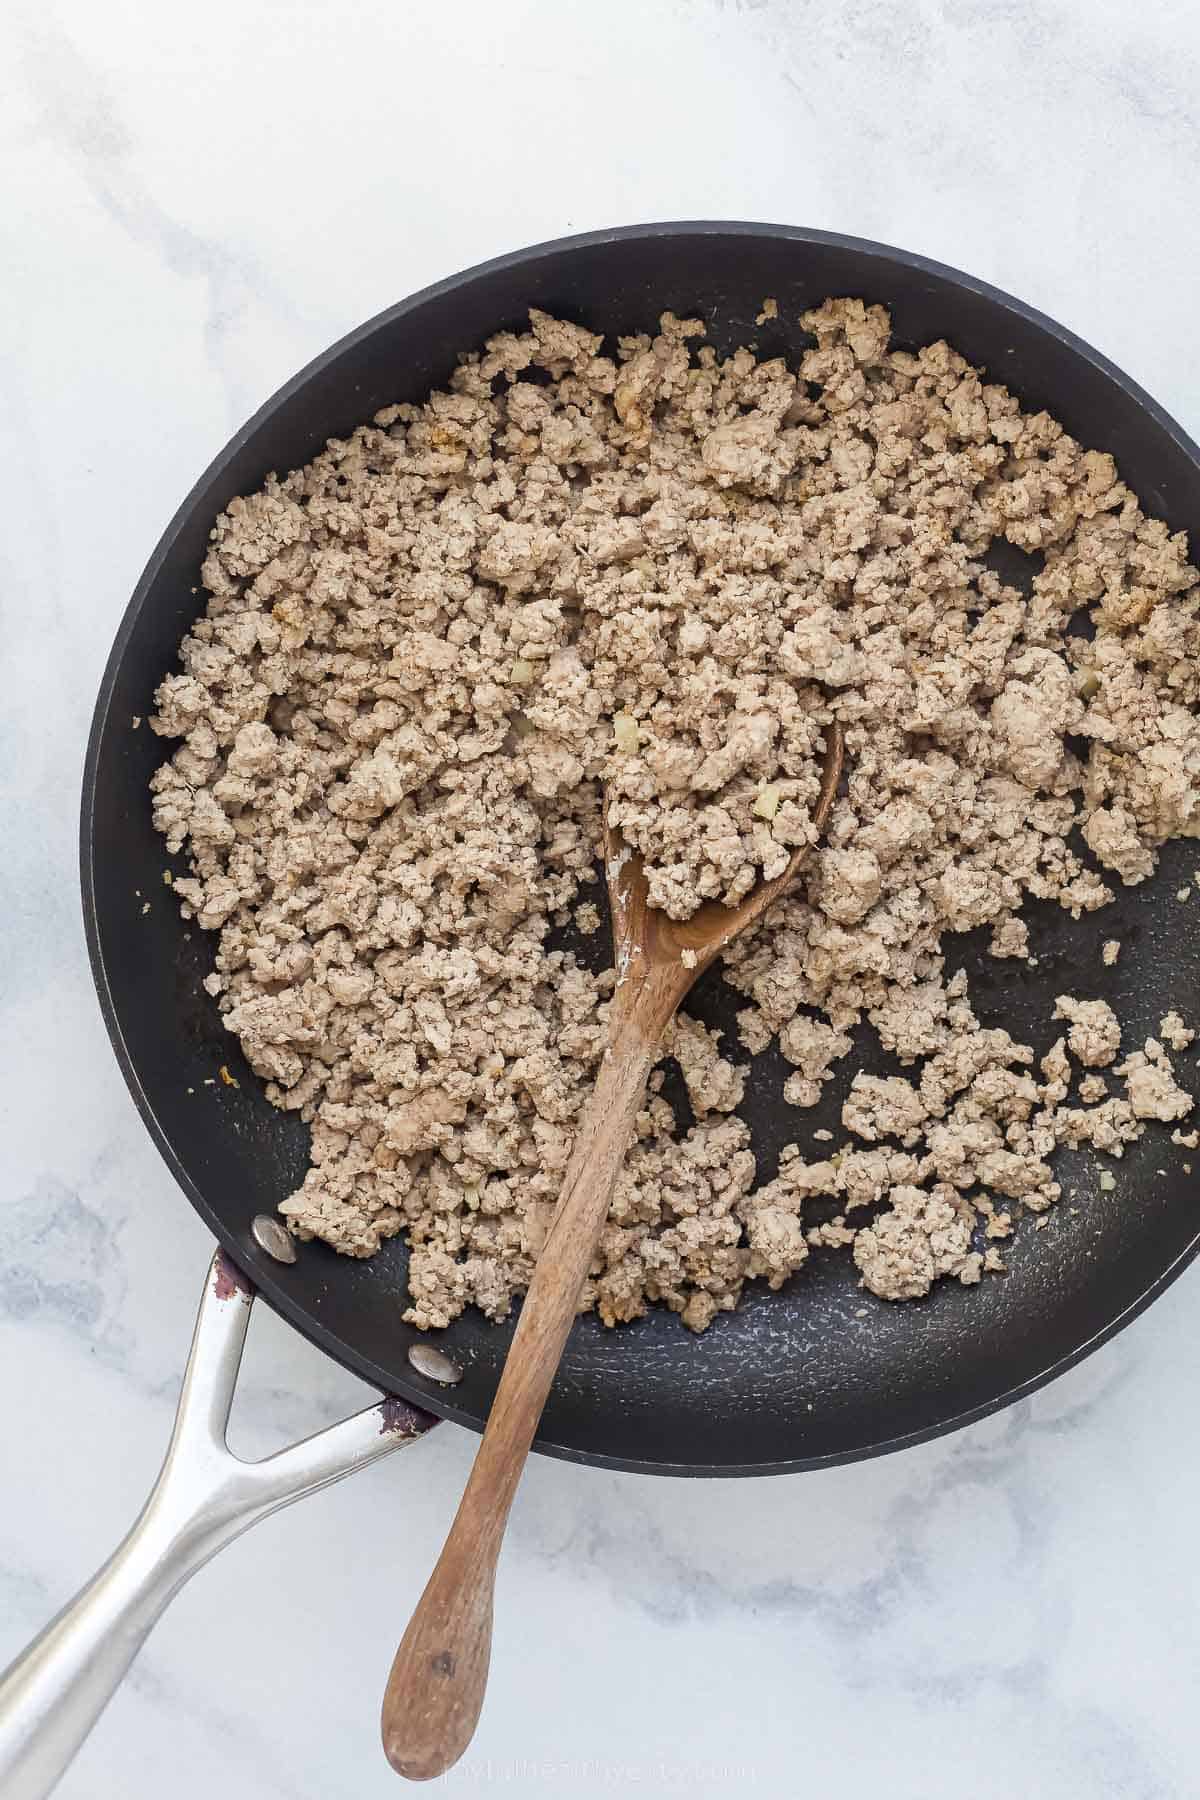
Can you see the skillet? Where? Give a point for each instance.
(792, 1380)
(816, 1374)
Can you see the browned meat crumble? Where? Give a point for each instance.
(422, 654)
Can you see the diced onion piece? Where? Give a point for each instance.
(522, 673)
(766, 803)
(626, 733)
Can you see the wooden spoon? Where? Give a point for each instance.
(437, 1682)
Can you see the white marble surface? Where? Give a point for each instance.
(195, 200)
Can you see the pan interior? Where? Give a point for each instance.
(819, 1371)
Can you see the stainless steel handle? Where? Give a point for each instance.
(54, 1692)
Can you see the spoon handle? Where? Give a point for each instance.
(437, 1682)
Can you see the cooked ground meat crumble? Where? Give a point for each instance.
(422, 655)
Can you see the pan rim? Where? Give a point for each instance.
(257, 1265)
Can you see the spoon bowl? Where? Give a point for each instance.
(689, 946)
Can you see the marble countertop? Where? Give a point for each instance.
(196, 201)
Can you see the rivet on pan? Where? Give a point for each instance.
(273, 1237)
(431, 1363)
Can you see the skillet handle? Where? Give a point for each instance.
(54, 1692)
